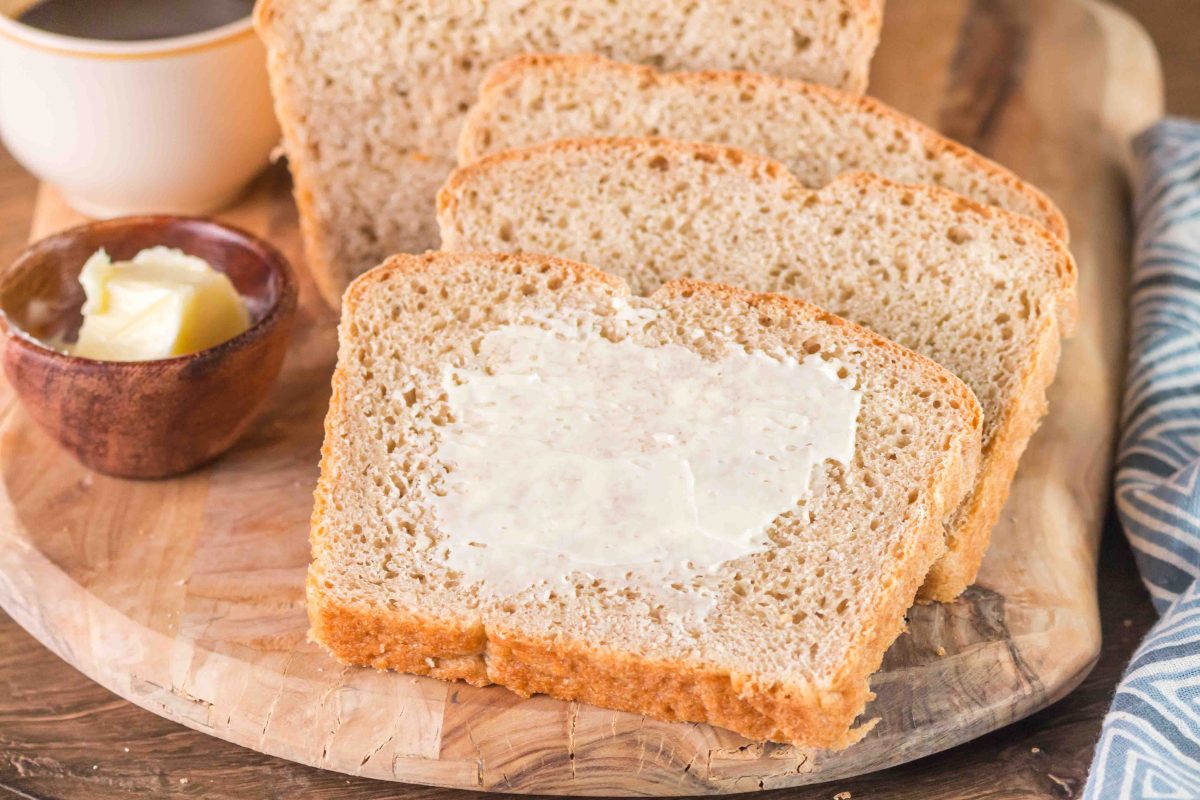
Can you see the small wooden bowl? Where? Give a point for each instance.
(143, 419)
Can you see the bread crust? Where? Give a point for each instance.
(572, 668)
(470, 148)
(969, 530)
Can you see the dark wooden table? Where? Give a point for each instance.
(62, 736)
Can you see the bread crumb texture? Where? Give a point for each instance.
(986, 293)
(796, 628)
(818, 133)
(371, 96)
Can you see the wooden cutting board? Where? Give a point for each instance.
(186, 596)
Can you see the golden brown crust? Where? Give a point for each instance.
(369, 636)
(511, 70)
(573, 669)
(972, 525)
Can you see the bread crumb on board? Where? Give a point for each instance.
(842, 796)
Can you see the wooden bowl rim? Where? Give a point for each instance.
(284, 302)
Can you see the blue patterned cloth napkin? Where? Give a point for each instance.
(1150, 743)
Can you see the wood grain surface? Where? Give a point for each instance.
(1172, 25)
(1001, 26)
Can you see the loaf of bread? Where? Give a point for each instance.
(371, 96)
(986, 293)
(775, 642)
(816, 132)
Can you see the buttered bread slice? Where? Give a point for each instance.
(986, 293)
(704, 505)
(816, 132)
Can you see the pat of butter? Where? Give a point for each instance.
(161, 304)
(574, 453)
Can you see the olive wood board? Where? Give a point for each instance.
(186, 596)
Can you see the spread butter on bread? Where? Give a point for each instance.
(760, 602)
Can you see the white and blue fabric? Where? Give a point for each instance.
(1150, 743)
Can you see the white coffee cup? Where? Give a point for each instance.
(176, 125)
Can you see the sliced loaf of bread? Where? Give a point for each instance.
(371, 96)
(816, 132)
(986, 293)
(776, 641)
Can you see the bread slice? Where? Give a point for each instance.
(371, 96)
(792, 630)
(816, 132)
(986, 293)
